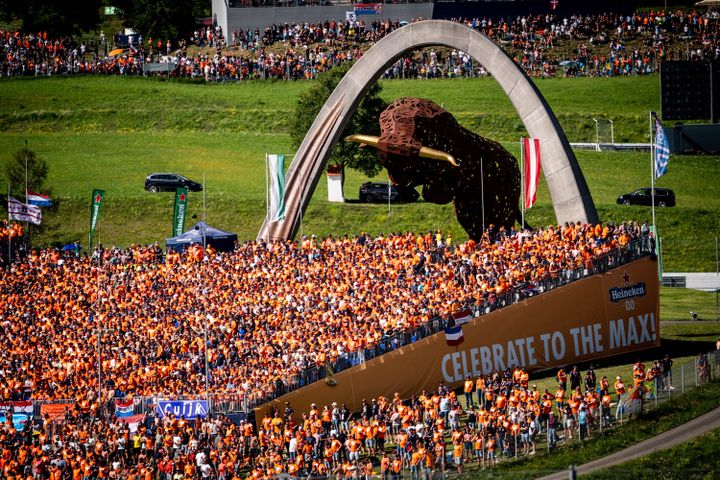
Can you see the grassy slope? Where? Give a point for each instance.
(678, 302)
(105, 132)
(697, 459)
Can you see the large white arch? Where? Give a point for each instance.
(570, 194)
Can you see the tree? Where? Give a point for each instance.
(365, 120)
(37, 171)
(162, 19)
(57, 17)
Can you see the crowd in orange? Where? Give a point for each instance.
(500, 416)
(270, 310)
(10, 231)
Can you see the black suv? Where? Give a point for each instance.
(664, 197)
(378, 192)
(158, 182)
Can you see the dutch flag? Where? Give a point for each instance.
(124, 407)
(454, 335)
(38, 199)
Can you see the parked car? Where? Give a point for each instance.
(168, 182)
(378, 192)
(664, 197)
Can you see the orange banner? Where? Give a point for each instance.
(599, 316)
(55, 411)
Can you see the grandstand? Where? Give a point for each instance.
(234, 15)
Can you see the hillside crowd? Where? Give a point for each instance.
(595, 45)
(271, 309)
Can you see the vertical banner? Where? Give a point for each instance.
(181, 195)
(98, 197)
(531, 151)
(276, 169)
(661, 149)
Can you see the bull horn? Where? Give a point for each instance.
(425, 152)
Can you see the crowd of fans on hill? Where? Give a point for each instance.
(271, 309)
(595, 45)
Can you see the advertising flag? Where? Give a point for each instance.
(276, 170)
(662, 149)
(367, 8)
(22, 212)
(38, 199)
(532, 169)
(181, 195)
(98, 197)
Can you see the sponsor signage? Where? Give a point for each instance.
(367, 8)
(600, 316)
(188, 409)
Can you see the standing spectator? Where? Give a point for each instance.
(574, 379)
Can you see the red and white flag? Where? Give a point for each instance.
(462, 316)
(531, 148)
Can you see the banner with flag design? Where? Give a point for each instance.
(532, 161)
(22, 212)
(24, 407)
(462, 316)
(276, 172)
(661, 149)
(124, 407)
(454, 335)
(181, 195)
(38, 199)
(96, 201)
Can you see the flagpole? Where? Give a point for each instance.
(652, 173)
(204, 215)
(482, 193)
(27, 223)
(26, 172)
(522, 184)
(9, 236)
(267, 189)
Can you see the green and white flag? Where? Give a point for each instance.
(181, 195)
(98, 197)
(276, 174)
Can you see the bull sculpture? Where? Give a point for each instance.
(421, 144)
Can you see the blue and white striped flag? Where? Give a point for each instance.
(662, 149)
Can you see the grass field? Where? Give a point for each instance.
(109, 133)
(696, 459)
